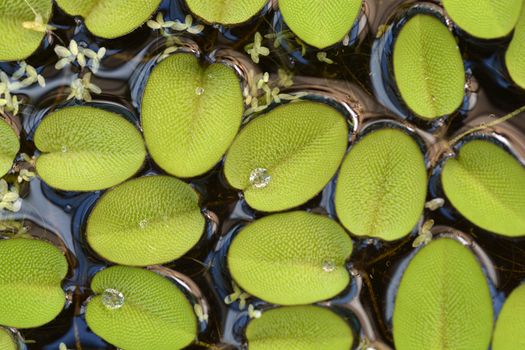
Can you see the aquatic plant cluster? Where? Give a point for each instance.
(262, 175)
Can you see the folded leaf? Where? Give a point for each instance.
(30, 275)
(485, 19)
(299, 327)
(284, 158)
(516, 51)
(19, 39)
(510, 327)
(190, 114)
(150, 312)
(111, 18)
(443, 301)
(87, 149)
(320, 23)
(291, 259)
(226, 12)
(487, 185)
(146, 221)
(381, 188)
(428, 67)
(8, 147)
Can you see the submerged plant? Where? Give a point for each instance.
(30, 278)
(227, 12)
(443, 301)
(291, 259)
(515, 52)
(8, 147)
(284, 158)
(382, 185)
(487, 196)
(190, 114)
(137, 309)
(320, 23)
(510, 327)
(299, 327)
(428, 67)
(87, 149)
(146, 221)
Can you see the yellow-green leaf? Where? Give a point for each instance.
(443, 301)
(428, 67)
(8, 147)
(228, 12)
(487, 185)
(87, 149)
(516, 51)
(510, 327)
(190, 114)
(7, 342)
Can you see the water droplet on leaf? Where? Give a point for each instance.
(143, 223)
(199, 90)
(112, 299)
(64, 149)
(329, 266)
(260, 178)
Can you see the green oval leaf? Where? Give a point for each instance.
(153, 314)
(381, 188)
(146, 221)
(516, 51)
(21, 34)
(87, 149)
(284, 158)
(291, 259)
(320, 23)
(111, 18)
(190, 114)
(9, 147)
(30, 275)
(487, 185)
(7, 342)
(443, 301)
(510, 327)
(299, 327)
(485, 19)
(228, 12)
(428, 67)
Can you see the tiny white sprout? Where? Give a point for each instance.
(435, 204)
(279, 37)
(167, 52)
(62, 346)
(256, 49)
(425, 234)
(323, 57)
(203, 317)
(25, 175)
(187, 26)
(285, 78)
(81, 88)
(237, 294)
(38, 24)
(253, 313)
(9, 198)
(346, 40)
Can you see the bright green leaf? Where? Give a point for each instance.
(381, 188)
(320, 23)
(153, 314)
(226, 12)
(7, 342)
(428, 67)
(19, 41)
(487, 185)
(299, 327)
(284, 158)
(516, 51)
(485, 19)
(510, 327)
(87, 149)
(146, 221)
(190, 114)
(30, 275)
(111, 18)
(443, 301)
(8, 147)
(291, 259)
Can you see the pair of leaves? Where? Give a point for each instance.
(19, 41)
(30, 275)
(292, 258)
(227, 12)
(299, 327)
(190, 114)
(320, 23)
(487, 185)
(510, 327)
(443, 301)
(8, 147)
(428, 67)
(146, 221)
(300, 145)
(111, 19)
(381, 188)
(155, 313)
(87, 149)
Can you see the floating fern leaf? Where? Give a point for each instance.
(228, 12)
(8, 147)
(510, 327)
(516, 51)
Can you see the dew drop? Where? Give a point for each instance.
(64, 149)
(199, 90)
(143, 223)
(112, 299)
(260, 178)
(329, 265)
